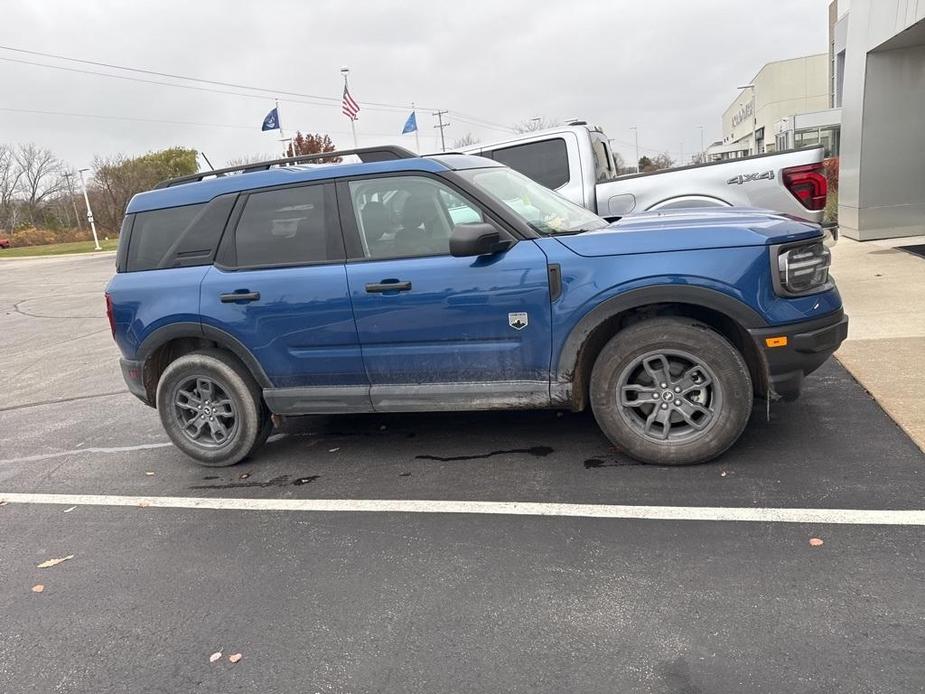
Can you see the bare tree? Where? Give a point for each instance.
(40, 175)
(10, 173)
(250, 159)
(662, 161)
(533, 124)
(466, 140)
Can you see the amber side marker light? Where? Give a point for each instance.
(776, 341)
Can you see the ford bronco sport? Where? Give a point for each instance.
(405, 283)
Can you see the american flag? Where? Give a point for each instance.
(349, 107)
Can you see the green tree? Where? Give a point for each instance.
(116, 179)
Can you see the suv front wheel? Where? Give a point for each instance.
(211, 408)
(671, 391)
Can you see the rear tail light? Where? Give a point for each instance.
(109, 315)
(802, 269)
(807, 184)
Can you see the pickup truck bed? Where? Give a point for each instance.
(576, 161)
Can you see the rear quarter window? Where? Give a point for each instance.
(155, 233)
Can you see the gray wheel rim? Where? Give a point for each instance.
(205, 413)
(669, 396)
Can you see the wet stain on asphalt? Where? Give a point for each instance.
(593, 463)
(536, 451)
(281, 481)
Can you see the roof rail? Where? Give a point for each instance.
(366, 154)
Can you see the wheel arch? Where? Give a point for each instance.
(169, 342)
(728, 316)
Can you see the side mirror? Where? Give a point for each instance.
(480, 238)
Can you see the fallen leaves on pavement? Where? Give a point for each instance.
(149, 474)
(815, 542)
(38, 588)
(215, 656)
(68, 510)
(144, 503)
(48, 563)
(234, 658)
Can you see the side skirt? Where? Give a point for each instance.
(430, 397)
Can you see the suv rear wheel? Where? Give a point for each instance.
(211, 408)
(671, 391)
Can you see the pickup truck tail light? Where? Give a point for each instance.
(801, 269)
(807, 184)
(109, 316)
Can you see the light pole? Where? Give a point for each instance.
(754, 114)
(703, 153)
(83, 184)
(636, 132)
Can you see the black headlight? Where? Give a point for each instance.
(800, 268)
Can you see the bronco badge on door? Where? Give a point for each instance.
(518, 321)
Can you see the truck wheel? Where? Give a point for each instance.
(211, 408)
(671, 391)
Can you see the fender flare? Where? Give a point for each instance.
(570, 353)
(225, 340)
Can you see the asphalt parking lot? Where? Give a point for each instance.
(445, 598)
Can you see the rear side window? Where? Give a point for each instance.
(155, 234)
(545, 162)
(289, 226)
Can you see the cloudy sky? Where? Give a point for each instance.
(666, 66)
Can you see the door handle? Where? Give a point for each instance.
(387, 286)
(234, 297)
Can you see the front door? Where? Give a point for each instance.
(439, 332)
(280, 288)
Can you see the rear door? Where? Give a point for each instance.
(279, 286)
(439, 332)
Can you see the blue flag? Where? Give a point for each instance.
(271, 122)
(411, 124)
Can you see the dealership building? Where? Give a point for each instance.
(879, 80)
(863, 101)
(761, 117)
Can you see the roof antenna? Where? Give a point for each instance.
(207, 160)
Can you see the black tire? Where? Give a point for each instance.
(234, 390)
(699, 413)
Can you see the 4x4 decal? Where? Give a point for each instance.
(745, 178)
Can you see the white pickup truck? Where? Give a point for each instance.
(577, 162)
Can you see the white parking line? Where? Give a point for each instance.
(500, 508)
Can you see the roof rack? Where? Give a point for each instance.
(366, 154)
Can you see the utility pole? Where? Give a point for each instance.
(70, 192)
(636, 131)
(83, 184)
(439, 116)
(681, 161)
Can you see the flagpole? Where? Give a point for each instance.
(417, 135)
(353, 124)
(282, 136)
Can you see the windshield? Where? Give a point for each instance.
(547, 212)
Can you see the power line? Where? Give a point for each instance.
(372, 105)
(158, 120)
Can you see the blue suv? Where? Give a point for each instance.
(405, 283)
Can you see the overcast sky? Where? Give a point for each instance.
(666, 66)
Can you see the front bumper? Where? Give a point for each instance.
(133, 373)
(808, 344)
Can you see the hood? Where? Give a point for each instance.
(689, 230)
